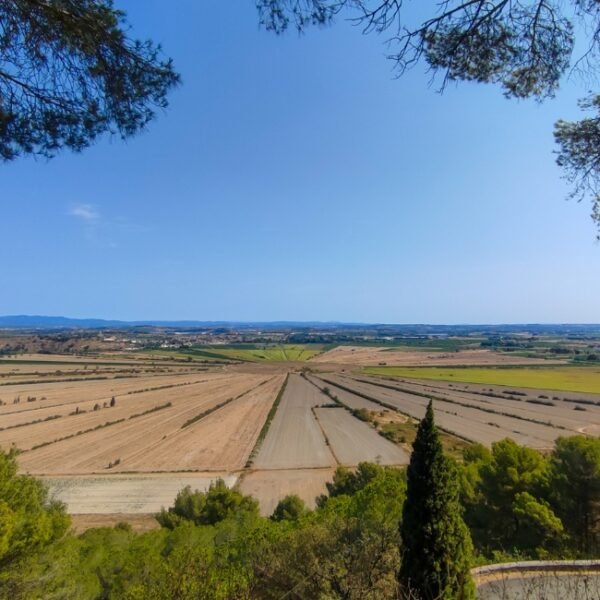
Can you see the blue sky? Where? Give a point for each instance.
(294, 177)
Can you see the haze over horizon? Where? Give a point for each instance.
(36, 321)
(293, 178)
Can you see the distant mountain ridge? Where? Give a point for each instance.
(38, 321)
(59, 322)
(51, 322)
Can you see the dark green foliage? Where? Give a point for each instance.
(505, 495)
(508, 507)
(207, 508)
(187, 563)
(436, 545)
(290, 508)
(278, 15)
(29, 521)
(362, 413)
(214, 545)
(347, 482)
(346, 549)
(575, 490)
(69, 73)
(524, 48)
(579, 143)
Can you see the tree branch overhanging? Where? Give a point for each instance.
(524, 46)
(69, 73)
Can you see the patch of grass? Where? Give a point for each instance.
(427, 344)
(206, 412)
(64, 380)
(244, 352)
(163, 387)
(190, 354)
(405, 432)
(267, 352)
(150, 410)
(399, 433)
(575, 379)
(50, 418)
(465, 403)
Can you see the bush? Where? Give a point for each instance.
(290, 508)
(207, 508)
(29, 521)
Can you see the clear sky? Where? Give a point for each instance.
(295, 178)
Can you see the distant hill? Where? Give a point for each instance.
(43, 322)
(378, 329)
(46, 322)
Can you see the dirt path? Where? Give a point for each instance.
(295, 439)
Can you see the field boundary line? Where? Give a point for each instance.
(100, 426)
(396, 409)
(330, 396)
(211, 410)
(35, 422)
(101, 378)
(267, 424)
(327, 443)
(466, 405)
(365, 396)
(117, 395)
(372, 370)
(205, 414)
(89, 362)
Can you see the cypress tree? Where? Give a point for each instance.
(436, 544)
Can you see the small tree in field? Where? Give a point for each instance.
(436, 544)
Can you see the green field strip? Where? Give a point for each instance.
(567, 378)
(464, 403)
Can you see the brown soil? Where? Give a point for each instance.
(368, 356)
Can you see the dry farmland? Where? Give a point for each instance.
(35, 368)
(477, 414)
(295, 439)
(304, 434)
(353, 441)
(133, 439)
(123, 494)
(270, 486)
(121, 434)
(221, 441)
(364, 356)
